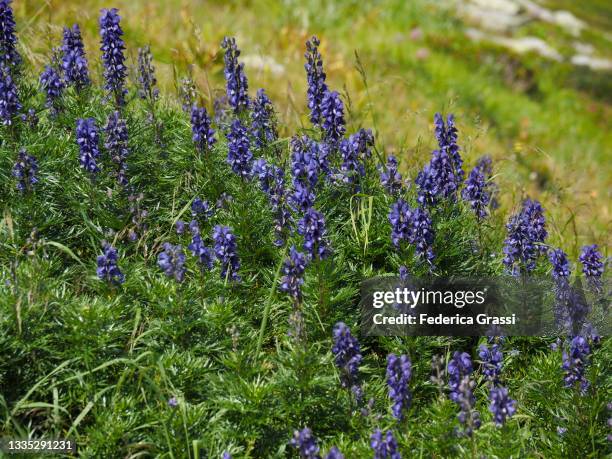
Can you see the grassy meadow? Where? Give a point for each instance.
(152, 367)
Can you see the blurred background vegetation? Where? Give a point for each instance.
(544, 119)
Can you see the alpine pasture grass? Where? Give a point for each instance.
(118, 328)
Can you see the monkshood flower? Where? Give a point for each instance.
(485, 164)
(304, 162)
(384, 447)
(30, 118)
(88, 140)
(147, 83)
(422, 234)
(492, 361)
(205, 255)
(265, 173)
(502, 406)
(316, 80)
(239, 154)
(390, 178)
(237, 84)
(172, 261)
(108, 270)
(52, 85)
(334, 453)
(9, 101)
(400, 219)
(226, 252)
(560, 264)
(413, 226)
(459, 367)
(8, 40)
(403, 273)
(180, 226)
(575, 362)
(272, 182)
(592, 266)
(188, 93)
(293, 274)
(561, 272)
(74, 61)
(203, 133)
(437, 179)
(25, 170)
(323, 151)
(305, 443)
(112, 47)
(263, 121)
(312, 227)
(447, 140)
(363, 141)
(526, 234)
(399, 371)
(116, 144)
(226, 455)
(201, 209)
(347, 356)
(332, 110)
(536, 223)
(351, 166)
(468, 416)
(302, 197)
(475, 192)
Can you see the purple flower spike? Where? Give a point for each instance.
(316, 80)
(492, 361)
(477, 191)
(203, 133)
(116, 145)
(575, 362)
(172, 261)
(239, 155)
(384, 447)
(25, 170)
(236, 80)
(147, 83)
(459, 367)
(74, 61)
(108, 270)
(88, 140)
(263, 120)
(226, 252)
(447, 140)
(113, 58)
(413, 226)
(53, 86)
(8, 40)
(205, 255)
(305, 443)
(526, 235)
(201, 209)
(502, 406)
(293, 274)
(592, 266)
(347, 355)
(390, 178)
(332, 110)
(9, 100)
(399, 371)
(334, 453)
(312, 227)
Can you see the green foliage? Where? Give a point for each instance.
(100, 362)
